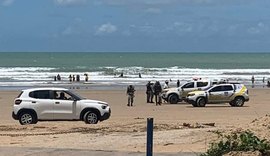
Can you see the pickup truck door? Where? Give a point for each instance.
(185, 89)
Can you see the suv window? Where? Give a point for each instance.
(40, 94)
(227, 88)
(217, 89)
(189, 85)
(202, 84)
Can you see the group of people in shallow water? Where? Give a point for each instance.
(72, 78)
(153, 91)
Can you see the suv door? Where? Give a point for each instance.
(228, 92)
(42, 103)
(64, 106)
(215, 94)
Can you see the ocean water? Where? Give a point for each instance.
(38, 69)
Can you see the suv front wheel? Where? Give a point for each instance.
(26, 118)
(90, 117)
(201, 102)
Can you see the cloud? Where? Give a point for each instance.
(153, 10)
(106, 29)
(259, 28)
(6, 2)
(70, 2)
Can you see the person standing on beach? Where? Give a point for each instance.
(149, 92)
(178, 83)
(252, 81)
(157, 93)
(130, 92)
(263, 80)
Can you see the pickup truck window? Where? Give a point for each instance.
(202, 84)
(189, 85)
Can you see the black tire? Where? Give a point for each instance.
(91, 117)
(194, 104)
(232, 103)
(201, 102)
(173, 99)
(26, 118)
(239, 101)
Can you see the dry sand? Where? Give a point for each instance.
(126, 129)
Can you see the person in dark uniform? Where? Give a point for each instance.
(157, 93)
(178, 83)
(149, 92)
(130, 92)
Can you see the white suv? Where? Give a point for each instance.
(33, 105)
(235, 94)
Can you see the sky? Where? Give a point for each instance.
(135, 25)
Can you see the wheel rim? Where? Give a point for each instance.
(26, 119)
(201, 102)
(92, 118)
(239, 102)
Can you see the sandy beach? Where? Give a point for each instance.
(178, 128)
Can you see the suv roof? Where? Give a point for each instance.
(45, 88)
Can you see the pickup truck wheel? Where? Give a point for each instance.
(201, 102)
(173, 99)
(90, 117)
(26, 118)
(239, 101)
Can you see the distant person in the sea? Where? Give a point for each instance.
(268, 83)
(70, 78)
(149, 92)
(58, 77)
(157, 92)
(140, 75)
(77, 78)
(252, 81)
(55, 78)
(121, 75)
(131, 94)
(86, 77)
(178, 83)
(73, 78)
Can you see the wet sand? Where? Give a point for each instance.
(125, 131)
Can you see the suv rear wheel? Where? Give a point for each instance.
(173, 99)
(239, 102)
(90, 117)
(26, 118)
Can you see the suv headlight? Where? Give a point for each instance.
(192, 94)
(104, 106)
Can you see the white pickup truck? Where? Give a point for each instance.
(175, 95)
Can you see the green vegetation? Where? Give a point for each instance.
(243, 141)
